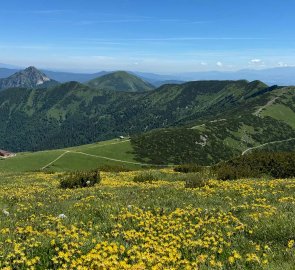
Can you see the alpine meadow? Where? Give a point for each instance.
(147, 135)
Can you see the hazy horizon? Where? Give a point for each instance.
(61, 70)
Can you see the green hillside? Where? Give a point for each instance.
(232, 116)
(213, 142)
(252, 125)
(116, 153)
(282, 107)
(121, 81)
(75, 114)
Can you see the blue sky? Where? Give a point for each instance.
(164, 36)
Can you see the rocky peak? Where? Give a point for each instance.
(35, 75)
(30, 77)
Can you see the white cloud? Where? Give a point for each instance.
(204, 63)
(282, 64)
(219, 64)
(256, 61)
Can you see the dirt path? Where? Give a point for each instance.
(259, 146)
(119, 160)
(212, 121)
(103, 157)
(59, 157)
(69, 151)
(269, 103)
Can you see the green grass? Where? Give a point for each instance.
(280, 112)
(28, 161)
(101, 151)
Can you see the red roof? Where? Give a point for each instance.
(4, 153)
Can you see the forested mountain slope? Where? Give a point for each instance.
(74, 114)
(121, 81)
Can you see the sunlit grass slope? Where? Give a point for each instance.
(75, 158)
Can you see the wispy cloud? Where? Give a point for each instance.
(91, 22)
(200, 22)
(283, 64)
(256, 61)
(25, 46)
(180, 39)
(38, 12)
(59, 47)
(50, 11)
(138, 20)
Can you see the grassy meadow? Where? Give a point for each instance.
(83, 157)
(159, 224)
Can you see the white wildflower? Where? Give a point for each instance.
(62, 216)
(5, 212)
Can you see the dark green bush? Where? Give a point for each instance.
(195, 180)
(189, 168)
(145, 177)
(80, 179)
(114, 168)
(225, 171)
(257, 165)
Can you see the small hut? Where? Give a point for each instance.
(6, 154)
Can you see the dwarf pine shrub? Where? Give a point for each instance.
(144, 177)
(195, 180)
(189, 168)
(258, 164)
(80, 179)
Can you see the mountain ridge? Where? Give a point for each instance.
(27, 78)
(120, 81)
(74, 114)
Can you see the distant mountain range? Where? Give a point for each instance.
(116, 81)
(55, 75)
(9, 66)
(272, 76)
